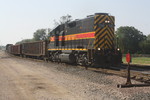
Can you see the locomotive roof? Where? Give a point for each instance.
(88, 17)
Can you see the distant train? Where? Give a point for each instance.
(88, 41)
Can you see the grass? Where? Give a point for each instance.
(139, 60)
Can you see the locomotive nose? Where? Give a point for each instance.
(104, 31)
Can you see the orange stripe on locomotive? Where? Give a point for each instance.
(75, 36)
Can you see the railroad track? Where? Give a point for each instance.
(138, 72)
(147, 67)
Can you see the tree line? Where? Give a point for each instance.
(127, 38)
(39, 35)
(43, 34)
(132, 40)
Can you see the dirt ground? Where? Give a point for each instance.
(20, 82)
(24, 79)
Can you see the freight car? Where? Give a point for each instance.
(88, 41)
(16, 49)
(8, 48)
(35, 49)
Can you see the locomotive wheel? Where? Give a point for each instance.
(85, 60)
(52, 58)
(82, 60)
(55, 57)
(79, 60)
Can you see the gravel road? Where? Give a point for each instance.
(26, 79)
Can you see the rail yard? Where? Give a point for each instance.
(34, 79)
(81, 60)
(74, 50)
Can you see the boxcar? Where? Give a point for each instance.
(35, 49)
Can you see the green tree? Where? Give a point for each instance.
(48, 33)
(25, 41)
(148, 37)
(145, 45)
(40, 34)
(64, 19)
(129, 39)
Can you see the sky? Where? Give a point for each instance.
(19, 19)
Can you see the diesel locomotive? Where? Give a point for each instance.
(89, 41)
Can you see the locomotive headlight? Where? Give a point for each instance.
(99, 49)
(107, 21)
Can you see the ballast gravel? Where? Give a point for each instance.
(95, 85)
(87, 84)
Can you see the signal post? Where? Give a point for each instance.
(128, 82)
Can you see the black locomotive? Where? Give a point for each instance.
(88, 41)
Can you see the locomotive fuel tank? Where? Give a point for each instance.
(67, 58)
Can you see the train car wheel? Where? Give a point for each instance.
(79, 60)
(82, 59)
